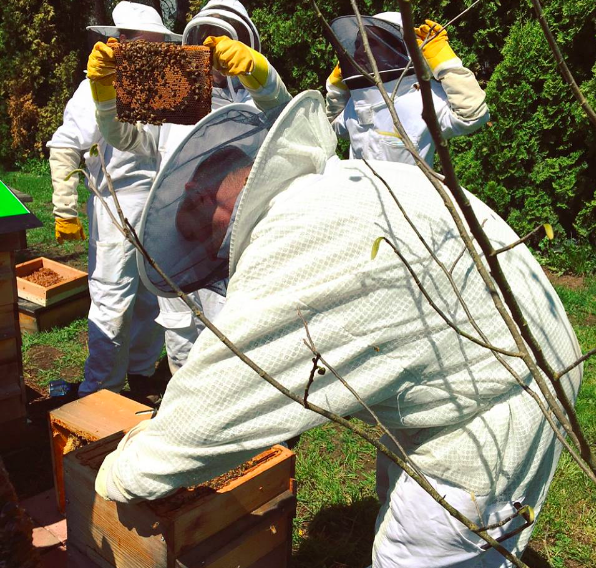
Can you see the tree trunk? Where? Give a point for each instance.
(100, 13)
(182, 9)
(157, 5)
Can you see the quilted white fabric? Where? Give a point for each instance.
(302, 240)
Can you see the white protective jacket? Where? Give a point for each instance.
(122, 334)
(302, 240)
(366, 122)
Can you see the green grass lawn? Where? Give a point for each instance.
(335, 469)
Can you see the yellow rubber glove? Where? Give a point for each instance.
(101, 71)
(337, 95)
(69, 230)
(437, 51)
(107, 484)
(336, 78)
(232, 57)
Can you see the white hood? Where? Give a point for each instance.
(136, 17)
(299, 143)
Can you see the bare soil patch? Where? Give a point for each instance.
(566, 280)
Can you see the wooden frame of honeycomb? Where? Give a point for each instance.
(162, 82)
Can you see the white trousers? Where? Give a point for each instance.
(414, 531)
(182, 326)
(123, 335)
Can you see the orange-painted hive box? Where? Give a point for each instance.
(162, 82)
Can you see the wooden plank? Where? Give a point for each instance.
(243, 495)
(99, 415)
(85, 420)
(277, 558)
(76, 282)
(34, 318)
(8, 322)
(12, 408)
(9, 350)
(222, 546)
(9, 389)
(127, 536)
(14, 433)
(28, 323)
(22, 197)
(248, 548)
(7, 291)
(6, 262)
(13, 241)
(12, 401)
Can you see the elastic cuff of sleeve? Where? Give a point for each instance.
(106, 106)
(443, 67)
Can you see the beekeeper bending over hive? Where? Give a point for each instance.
(123, 336)
(301, 239)
(227, 21)
(358, 112)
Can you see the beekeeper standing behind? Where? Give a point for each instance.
(123, 336)
(237, 39)
(358, 112)
(301, 239)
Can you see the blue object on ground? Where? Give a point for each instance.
(62, 388)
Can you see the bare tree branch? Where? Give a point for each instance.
(515, 322)
(518, 242)
(311, 378)
(575, 364)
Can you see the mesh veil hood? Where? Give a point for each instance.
(385, 37)
(229, 17)
(191, 202)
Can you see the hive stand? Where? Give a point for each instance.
(245, 524)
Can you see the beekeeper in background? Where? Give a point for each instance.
(301, 239)
(229, 24)
(358, 112)
(123, 336)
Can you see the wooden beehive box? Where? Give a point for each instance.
(15, 219)
(244, 524)
(86, 420)
(12, 388)
(75, 282)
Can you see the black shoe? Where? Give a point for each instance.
(292, 442)
(145, 390)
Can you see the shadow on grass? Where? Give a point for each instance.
(534, 560)
(339, 536)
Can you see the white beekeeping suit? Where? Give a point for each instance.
(358, 112)
(301, 240)
(218, 17)
(123, 337)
